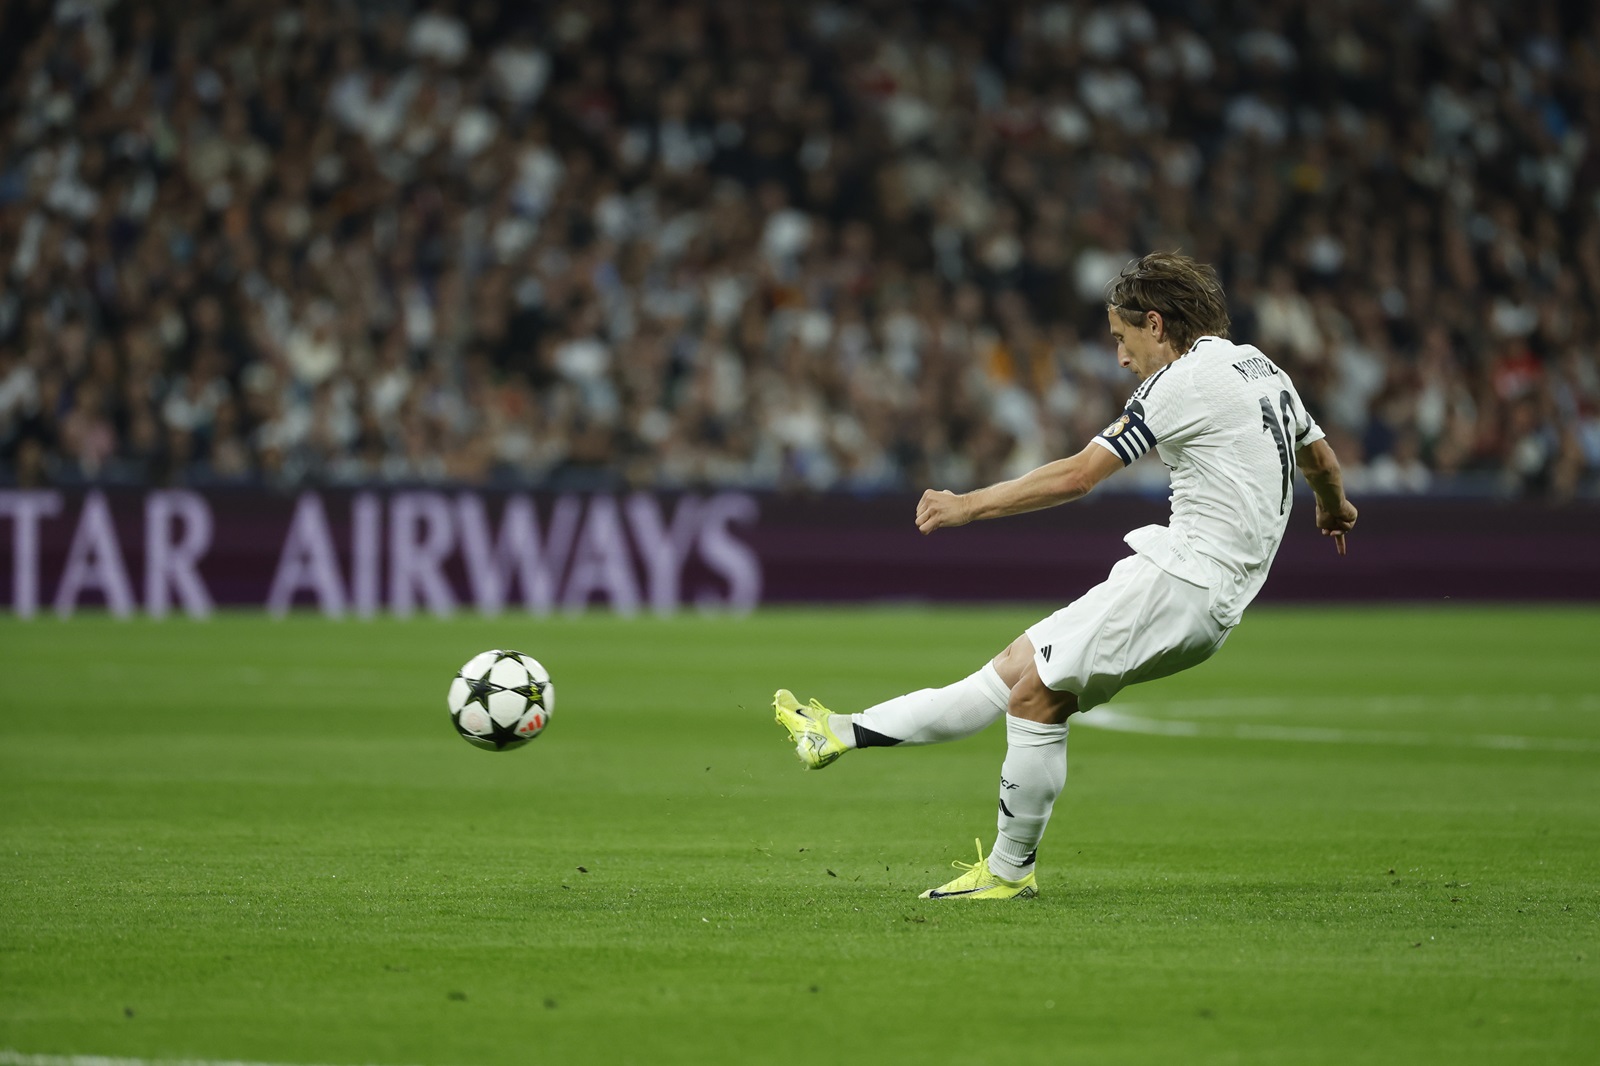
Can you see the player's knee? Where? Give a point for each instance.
(1012, 663)
(1032, 699)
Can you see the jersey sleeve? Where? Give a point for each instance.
(1306, 430)
(1160, 411)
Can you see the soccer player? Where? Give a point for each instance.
(1232, 428)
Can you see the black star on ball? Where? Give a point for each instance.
(480, 689)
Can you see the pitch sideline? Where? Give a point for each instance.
(1120, 721)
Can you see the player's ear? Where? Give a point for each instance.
(1155, 324)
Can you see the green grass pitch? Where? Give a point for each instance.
(1375, 838)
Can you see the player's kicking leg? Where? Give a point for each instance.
(928, 716)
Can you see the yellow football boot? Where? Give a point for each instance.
(815, 742)
(977, 882)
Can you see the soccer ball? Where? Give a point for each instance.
(501, 700)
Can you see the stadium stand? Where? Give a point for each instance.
(780, 245)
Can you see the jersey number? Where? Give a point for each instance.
(1281, 432)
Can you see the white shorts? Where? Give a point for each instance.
(1139, 624)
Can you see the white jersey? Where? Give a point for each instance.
(1227, 421)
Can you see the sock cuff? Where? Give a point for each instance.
(989, 682)
(1030, 734)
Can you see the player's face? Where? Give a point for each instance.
(1139, 348)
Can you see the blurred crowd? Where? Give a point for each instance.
(755, 243)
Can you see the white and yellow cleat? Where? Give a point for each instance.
(979, 882)
(815, 742)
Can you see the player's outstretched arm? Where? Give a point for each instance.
(1046, 486)
(1336, 515)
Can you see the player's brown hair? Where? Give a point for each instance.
(1186, 293)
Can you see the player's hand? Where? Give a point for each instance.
(1336, 523)
(940, 510)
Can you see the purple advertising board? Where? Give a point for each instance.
(441, 551)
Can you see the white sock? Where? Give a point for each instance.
(930, 715)
(1034, 773)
